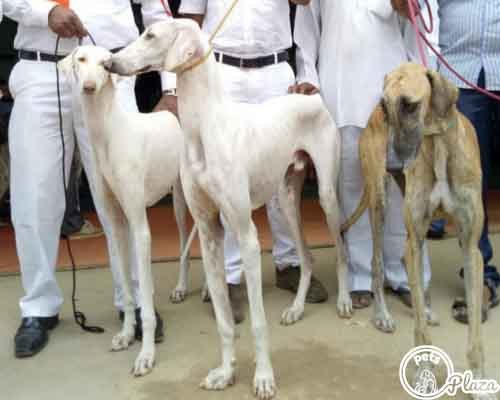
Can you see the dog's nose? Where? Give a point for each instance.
(89, 87)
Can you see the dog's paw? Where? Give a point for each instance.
(205, 294)
(264, 386)
(122, 341)
(292, 315)
(144, 363)
(344, 307)
(218, 379)
(384, 322)
(432, 317)
(178, 295)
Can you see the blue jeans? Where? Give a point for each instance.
(484, 114)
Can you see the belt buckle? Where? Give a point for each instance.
(38, 57)
(242, 63)
(276, 58)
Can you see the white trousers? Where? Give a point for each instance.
(256, 86)
(358, 240)
(37, 191)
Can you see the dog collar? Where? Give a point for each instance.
(189, 66)
(441, 127)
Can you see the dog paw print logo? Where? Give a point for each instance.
(431, 362)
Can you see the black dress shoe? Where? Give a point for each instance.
(159, 334)
(32, 335)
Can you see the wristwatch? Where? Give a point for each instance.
(170, 92)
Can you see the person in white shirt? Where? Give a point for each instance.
(252, 51)
(37, 192)
(345, 49)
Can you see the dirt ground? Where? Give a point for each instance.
(320, 358)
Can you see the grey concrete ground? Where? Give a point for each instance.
(320, 358)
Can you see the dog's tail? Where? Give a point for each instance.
(191, 237)
(362, 206)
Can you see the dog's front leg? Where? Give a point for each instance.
(382, 318)
(180, 210)
(212, 248)
(470, 220)
(142, 246)
(414, 264)
(117, 237)
(264, 385)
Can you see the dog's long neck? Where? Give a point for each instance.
(200, 94)
(98, 109)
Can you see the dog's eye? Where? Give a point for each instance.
(383, 106)
(82, 59)
(149, 36)
(408, 106)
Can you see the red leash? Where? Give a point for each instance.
(421, 39)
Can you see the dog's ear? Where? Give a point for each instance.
(67, 64)
(444, 93)
(116, 79)
(187, 47)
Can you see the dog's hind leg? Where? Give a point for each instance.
(289, 197)
(180, 209)
(328, 180)
(382, 319)
(211, 236)
(264, 385)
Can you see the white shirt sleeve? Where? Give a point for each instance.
(307, 36)
(193, 7)
(28, 12)
(153, 11)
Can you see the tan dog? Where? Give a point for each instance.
(416, 130)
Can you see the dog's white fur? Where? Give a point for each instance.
(137, 163)
(236, 157)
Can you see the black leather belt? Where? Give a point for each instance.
(258, 62)
(39, 56)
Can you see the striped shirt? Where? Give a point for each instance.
(469, 38)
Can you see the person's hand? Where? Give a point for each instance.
(304, 88)
(401, 7)
(65, 23)
(167, 103)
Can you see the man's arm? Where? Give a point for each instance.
(194, 9)
(45, 14)
(307, 36)
(198, 18)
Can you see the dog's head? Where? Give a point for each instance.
(414, 99)
(164, 46)
(87, 67)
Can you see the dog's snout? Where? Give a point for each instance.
(89, 87)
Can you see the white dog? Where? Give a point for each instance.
(137, 162)
(235, 158)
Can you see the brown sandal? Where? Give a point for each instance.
(459, 307)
